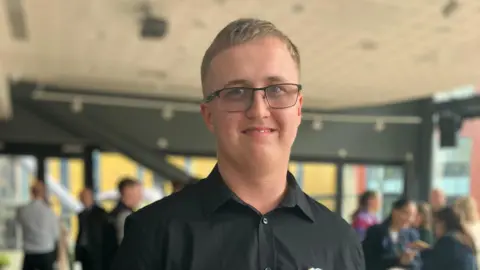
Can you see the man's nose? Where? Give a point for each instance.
(259, 107)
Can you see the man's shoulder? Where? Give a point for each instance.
(99, 209)
(182, 205)
(330, 223)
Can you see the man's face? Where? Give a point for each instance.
(259, 133)
(133, 195)
(86, 197)
(437, 199)
(138, 191)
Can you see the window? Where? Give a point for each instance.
(456, 169)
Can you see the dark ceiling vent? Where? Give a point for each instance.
(16, 16)
(368, 45)
(152, 27)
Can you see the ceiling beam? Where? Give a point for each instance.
(88, 128)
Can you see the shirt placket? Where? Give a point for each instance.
(266, 247)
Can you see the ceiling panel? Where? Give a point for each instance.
(353, 52)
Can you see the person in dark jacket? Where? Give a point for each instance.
(130, 192)
(89, 245)
(386, 245)
(455, 247)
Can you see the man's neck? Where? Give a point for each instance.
(261, 189)
(89, 205)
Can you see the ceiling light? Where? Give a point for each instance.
(72, 148)
(342, 153)
(379, 125)
(167, 112)
(317, 124)
(77, 105)
(449, 8)
(162, 143)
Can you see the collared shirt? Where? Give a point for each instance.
(205, 226)
(40, 227)
(118, 215)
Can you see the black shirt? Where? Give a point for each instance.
(206, 227)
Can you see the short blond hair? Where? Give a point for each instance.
(466, 208)
(242, 31)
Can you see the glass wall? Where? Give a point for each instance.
(454, 169)
(65, 176)
(389, 181)
(14, 191)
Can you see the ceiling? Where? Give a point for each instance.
(354, 52)
(5, 104)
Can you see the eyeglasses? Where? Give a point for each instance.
(239, 99)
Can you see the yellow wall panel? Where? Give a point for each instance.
(329, 203)
(178, 161)
(319, 178)
(53, 169)
(147, 178)
(112, 167)
(167, 188)
(292, 167)
(76, 174)
(108, 205)
(202, 166)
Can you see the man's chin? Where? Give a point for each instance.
(262, 154)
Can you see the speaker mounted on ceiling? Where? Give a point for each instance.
(449, 123)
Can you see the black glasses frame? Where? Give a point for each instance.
(216, 94)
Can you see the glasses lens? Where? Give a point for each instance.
(282, 96)
(239, 99)
(235, 99)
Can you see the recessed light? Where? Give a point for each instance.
(368, 45)
(342, 153)
(298, 8)
(162, 143)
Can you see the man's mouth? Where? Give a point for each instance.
(262, 130)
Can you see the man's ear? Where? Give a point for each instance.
(207, 116)
(299, 108)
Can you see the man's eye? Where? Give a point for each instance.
(276, 90)
(235, 92)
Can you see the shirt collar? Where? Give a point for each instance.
(216, 193)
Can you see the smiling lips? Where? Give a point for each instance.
(258, 131)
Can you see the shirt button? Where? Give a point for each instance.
(265, 221)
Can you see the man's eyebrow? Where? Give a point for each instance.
(275, 79)
(237, 82)
(243, 82)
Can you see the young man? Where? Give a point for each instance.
(130, 192)
(91, 222)
(249, 213)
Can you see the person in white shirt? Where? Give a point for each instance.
(40, 230)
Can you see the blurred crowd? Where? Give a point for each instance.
(418, 236)
(45, 239)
